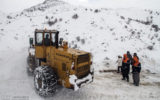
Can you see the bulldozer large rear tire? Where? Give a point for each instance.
(45, 81)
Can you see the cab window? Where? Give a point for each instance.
(39, 38)
(47, 35)
(47, 39)
(53, 40)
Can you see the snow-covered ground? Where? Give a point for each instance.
(106, 33)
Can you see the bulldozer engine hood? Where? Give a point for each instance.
(74, 51)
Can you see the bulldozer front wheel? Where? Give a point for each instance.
(45, 81)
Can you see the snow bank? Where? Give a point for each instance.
(77, 83)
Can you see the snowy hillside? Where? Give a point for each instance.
(106, 33)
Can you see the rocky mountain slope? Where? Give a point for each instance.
(106, 33)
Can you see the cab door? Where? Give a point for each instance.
(39, 47)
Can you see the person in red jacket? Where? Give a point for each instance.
(125, 67)
(136, 69)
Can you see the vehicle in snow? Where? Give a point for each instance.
(52, 63)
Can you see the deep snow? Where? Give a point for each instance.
(106, 33)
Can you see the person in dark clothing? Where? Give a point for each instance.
(130, 59)
(125, 67)
(136, 69)
(47, 40)
(129, 55)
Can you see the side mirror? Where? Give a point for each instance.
(31, 42)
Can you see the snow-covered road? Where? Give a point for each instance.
(17, 84)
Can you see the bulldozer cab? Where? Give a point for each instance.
(46, 38)
(43, 39)
(71, 67)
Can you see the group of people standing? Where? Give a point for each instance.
(124, 66)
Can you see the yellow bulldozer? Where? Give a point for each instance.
(53, 63)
